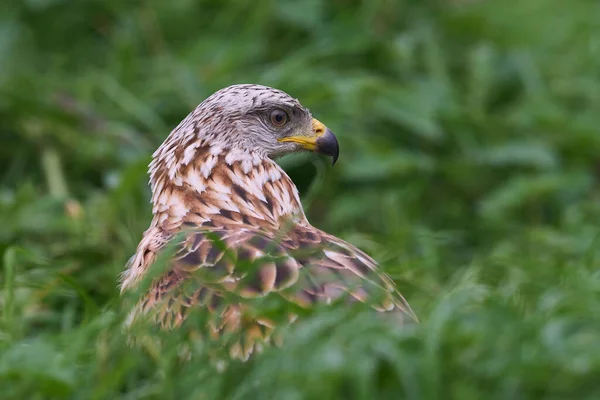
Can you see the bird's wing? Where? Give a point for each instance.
(333, 267)
(213, 262)
(216, 268)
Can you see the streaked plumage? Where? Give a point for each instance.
(242, 228)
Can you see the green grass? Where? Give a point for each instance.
(469, 167)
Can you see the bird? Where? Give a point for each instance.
(238, 228)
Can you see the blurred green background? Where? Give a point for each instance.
(470, 168)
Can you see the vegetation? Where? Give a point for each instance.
(470, 168)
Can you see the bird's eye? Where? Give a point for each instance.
(278, 117)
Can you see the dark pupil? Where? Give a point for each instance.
(278, 117)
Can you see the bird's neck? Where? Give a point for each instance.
(220, 187)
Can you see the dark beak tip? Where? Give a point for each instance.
(329, 146)
(335, 157)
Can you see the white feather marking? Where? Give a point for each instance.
(178, 209)
(157, 152)
(161, 207)
(237, 180)
(331, 254)
(171, 171)
(194, 179)
(246, 166)
(277, 195)
(211, 209)
(274, 174)
(217, 187)
(260, 177)
(256, 159)
(230, 158)
(248, 186)
(296, 194)
(340, 259)
(286, 201)
(163, 198)
(177, 181)
(158, 187)
(215, 150)
(231, 207)
(208, 165)
(221, 196)
(258, 193)
(169, 158)
(189, 153)
(250, 210)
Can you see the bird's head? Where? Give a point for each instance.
(262, 120)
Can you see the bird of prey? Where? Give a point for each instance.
(239, 228)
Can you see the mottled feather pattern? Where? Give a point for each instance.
(243, 234)
(303, 266)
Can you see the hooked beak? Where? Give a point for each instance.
(320, 140)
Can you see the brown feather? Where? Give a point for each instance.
(243, 236)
